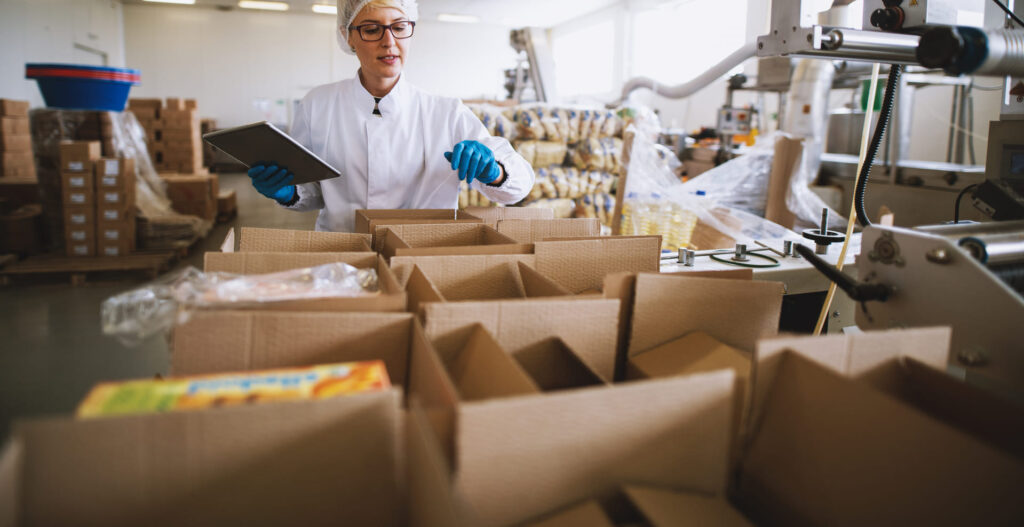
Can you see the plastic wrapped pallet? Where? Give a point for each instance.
(120, 135)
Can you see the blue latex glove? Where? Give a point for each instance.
(473, 160)
(273, 182)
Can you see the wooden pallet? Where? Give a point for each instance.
(79, 269)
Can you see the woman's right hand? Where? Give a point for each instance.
(273, 182)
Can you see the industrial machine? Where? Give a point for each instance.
(969, 276)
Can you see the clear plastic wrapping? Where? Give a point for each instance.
(157, 307)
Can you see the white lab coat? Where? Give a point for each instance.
(396, 160)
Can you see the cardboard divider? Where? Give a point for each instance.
(580, 265)
(530, 231)
(226, 341)
(264, 464)
(483, 371)
(390, 296)
(571, 443)
(831, 450)
(492, 215)
(474, 278)
(373, 221)
(436, 265)
(648, 506)
(553, 366)
(282, 240)
(450, 239)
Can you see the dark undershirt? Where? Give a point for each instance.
(376, 101)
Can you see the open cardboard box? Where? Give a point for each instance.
(373, 221)
(461, 278)
(267, 464)
(448, 239)
(390, 296)
(492, 215)
(226, 341)
(515, 454)
(648, 506)
(865, 430)
(283, 240)
(529, 231)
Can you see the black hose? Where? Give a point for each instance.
(883, 120)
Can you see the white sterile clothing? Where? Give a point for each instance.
(394, 160)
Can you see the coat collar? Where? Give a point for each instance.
(388, 105)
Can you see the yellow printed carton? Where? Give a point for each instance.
(210, 391)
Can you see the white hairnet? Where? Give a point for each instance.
(348, 9)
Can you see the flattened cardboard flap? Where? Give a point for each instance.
(283, 240)
(692, 353)
(482, 370)
(431, 503)
(580, 265)
(530, 231)
(587, 514)
(834, 451)
(225, 341)
(261, 464)
(736, 312)
(665, 508)
(852, 356)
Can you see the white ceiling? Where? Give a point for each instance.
(512, 13)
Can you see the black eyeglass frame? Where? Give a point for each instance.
(359, 29)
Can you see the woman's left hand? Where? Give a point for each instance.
(473, 160)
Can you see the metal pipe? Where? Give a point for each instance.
(875, 46)
(687, 89)
(999, 249)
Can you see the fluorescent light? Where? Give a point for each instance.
(325, 9)
(186, 2)
(462, 19)
(268, 6)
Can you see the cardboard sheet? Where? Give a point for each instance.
(492, 215)
(449, 239)
(282, 240)
(530, 231)
(581, 265)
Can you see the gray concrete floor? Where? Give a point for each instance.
(51, 348)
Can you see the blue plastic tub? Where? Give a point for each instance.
(80, 87)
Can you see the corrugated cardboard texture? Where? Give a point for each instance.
(553, 366)
(665, 508)
(391, 297)
(364, 219)
(281, 240)
(448, 239)
(223, 341)
(852, 356)
(461, 278)
(736, 312)
(492, 215)
(587, 326)
(270, 464)
(833, 451)
(588, 514)
(529, 231)
(11, 457)
(694, 353)
(482, 370)
(581, 265)
(521, 457)
(434, 265)
(428, 475)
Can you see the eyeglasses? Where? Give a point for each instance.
(375, 32)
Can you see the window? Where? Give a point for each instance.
(678, 41)
(583, 59)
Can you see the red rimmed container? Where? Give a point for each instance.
(75, 86)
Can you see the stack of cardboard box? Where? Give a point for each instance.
(98, 201)
(172, 132)
(16, 161)
(194, 194)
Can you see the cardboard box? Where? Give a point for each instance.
(193, 194)
(492, 215)
(117, 174)
(114, 213)
(17, 165)
(190, 104)
(373, 221)
(80, 240)
(15, 143)
(657, 507)
(902, 450)
(116, 231)
(580, 265)
(79, 197)
(175, 103)
(529, 231)
(226, 341)
(115, 198)
(283, 240)
(107, 248)
(390, 298)
(695, 352)
(15, 126)
(574, 444)
(11, 108)
(78, 156)
(79, 217)
(473, 278)
(227, 205)
(451, 239)
(77, 182)
(268, 464)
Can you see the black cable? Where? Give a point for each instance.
(956, 207)
(876, 141)
(1009, 13)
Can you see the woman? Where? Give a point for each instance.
(395, 146)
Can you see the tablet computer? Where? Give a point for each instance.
(260, 143)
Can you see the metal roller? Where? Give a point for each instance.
(995, 249)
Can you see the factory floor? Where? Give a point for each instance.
(52, 349)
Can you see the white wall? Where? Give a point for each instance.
(243, 66)
(47, 31)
